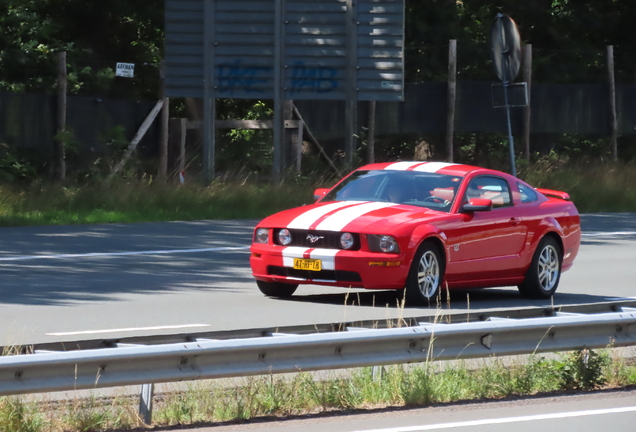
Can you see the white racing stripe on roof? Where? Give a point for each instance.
(305, 220)
(401, 166)
(344, 217)
(432, 167)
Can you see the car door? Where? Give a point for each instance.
(488, 244)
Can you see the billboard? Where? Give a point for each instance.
(325, 45)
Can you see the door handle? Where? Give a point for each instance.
(514, 221)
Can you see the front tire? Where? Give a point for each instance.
(544, 274)
(276, 289)
(426, 275)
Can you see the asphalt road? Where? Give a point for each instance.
(105, 281)
(602, 411)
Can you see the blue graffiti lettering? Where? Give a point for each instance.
(317, 79)
(231, 77)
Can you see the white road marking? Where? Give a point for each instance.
(110, 254)
(485, 422)
(131, 329)
(608, 234)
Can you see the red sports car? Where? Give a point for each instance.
(420, 226)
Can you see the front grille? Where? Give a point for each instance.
(322, 239)
(334, 275)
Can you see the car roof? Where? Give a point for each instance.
(432, 167)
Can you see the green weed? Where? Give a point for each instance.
(272, 395)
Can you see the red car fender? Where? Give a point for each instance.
(547, 225)
(425, 232)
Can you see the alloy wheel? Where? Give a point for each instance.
(428, 274)
(548, 267)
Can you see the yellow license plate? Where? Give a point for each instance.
(307, 264)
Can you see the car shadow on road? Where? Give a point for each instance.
(457, 300)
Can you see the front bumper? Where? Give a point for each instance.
(341, 268)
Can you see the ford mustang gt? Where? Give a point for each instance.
(420, 227)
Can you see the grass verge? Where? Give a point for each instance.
(594, 188)
(144, 202)
(276, 396)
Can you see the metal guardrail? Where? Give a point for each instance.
(280, 352)
(442, 316)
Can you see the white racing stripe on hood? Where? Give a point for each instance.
(344, 217)
(401, 166)
(305, 220)
(432, 167)
(327, 256)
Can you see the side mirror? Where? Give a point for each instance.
(319, 193)
(477, 204)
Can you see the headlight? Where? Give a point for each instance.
(284, 237)
(383, 243)
(261, 235)
(347, 240)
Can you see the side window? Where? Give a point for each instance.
(527, 193)
(492, 188)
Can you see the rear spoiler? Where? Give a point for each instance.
(554, 194)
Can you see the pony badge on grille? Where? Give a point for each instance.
(313, 239)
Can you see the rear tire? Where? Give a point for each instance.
(544, 274)
(426, 275)
(276, 289)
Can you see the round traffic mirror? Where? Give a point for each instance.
(505, 47)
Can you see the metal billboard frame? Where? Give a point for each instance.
(379, 22)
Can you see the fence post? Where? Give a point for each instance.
(183, 129)
(163, 142)
(614, 117)
(527, 77)
(60, 151)
(450, 98)
(371, 133)
(145, 403)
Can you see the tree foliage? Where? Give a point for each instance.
(95, 34)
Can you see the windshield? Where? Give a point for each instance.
(431, 190)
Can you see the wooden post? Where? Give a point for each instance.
(371, 137)
(299, 145)
(612, 87)
(60, 151)
(162, 171)
(183, 129)
(450, 98)
(138, 136)
(527, 77)
(290, 136)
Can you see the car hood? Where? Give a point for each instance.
(354, 216)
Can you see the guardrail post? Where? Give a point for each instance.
(377, 373)
(145, 403)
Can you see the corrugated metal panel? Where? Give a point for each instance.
(184, 34)
(380, 50)
(315, 51)
(244, 70)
